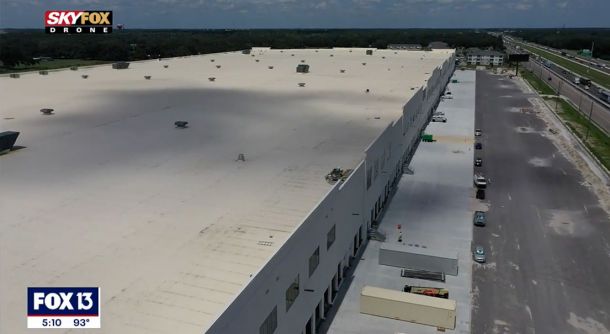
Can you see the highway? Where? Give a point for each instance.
(547, 238)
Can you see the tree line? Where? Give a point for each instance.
(20, 47)
(571, 39)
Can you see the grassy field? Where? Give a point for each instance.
(596, 76)
(51, 65)
(597, 141)
(540, 86)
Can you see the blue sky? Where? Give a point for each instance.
(323, 13)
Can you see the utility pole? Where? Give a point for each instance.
(558, 96)
(589, 124)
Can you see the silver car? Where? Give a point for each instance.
(479, 254)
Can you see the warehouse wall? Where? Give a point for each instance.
(350, 206)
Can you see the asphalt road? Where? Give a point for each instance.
(547, 239)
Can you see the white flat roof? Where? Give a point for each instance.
(109, 193)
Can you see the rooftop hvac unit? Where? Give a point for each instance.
(363, 64)
(302, 68)
(14, 75)
(241, 157)
(369, 52)
(73, 68)
(212, 79)
(218, 66)
(212, 60)
(342, 71)
(47, 111)
(147, 77)
(257, 60)
(43, 72)
(165, 66)
(246, 52)
(7, 140)
(120, 65)
(181, 124)
(84, 76)
(270, 67)
(301, 84)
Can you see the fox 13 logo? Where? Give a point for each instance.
(78, 22)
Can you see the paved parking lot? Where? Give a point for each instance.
(547, 238)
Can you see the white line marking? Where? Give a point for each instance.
(585, 206)
(509, 198)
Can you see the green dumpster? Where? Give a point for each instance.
(426, 137)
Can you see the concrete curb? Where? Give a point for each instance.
(582, 148)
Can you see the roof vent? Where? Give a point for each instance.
(212, 79)
(301, 84)
(165, 66)
(14, 75)
(120, 65)
(302, 68)
(270, 67)
(241, 157)
(302, 60)
(342, 71)
(218, 66)
(181, 124)
(212, 60)
(292, 55)
(383, 57)
(368, 90)
(147, 77)
(74, 68)
(332, 55)
(84, 76)
(363, 64)
(369, 52)
(257, 60)
(43, 72)
(47, 111)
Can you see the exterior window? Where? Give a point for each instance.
(270, 324)
(330, 237)
(314, 260)
(292, 293)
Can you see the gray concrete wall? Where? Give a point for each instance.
(418, 258)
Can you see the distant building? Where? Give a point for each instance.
(476, 56)
(438, 45)
(411, 47)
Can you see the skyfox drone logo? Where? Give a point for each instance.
(78, 22)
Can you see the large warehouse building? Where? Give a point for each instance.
(228, 225)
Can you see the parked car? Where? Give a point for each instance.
(439, 119)
(480, 193)
(438, 113)
(477, 132)
(479, 218)
(480, 181)
(478, 146)
(478, 162)
(479, 254)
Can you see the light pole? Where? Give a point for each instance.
(589, 124)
